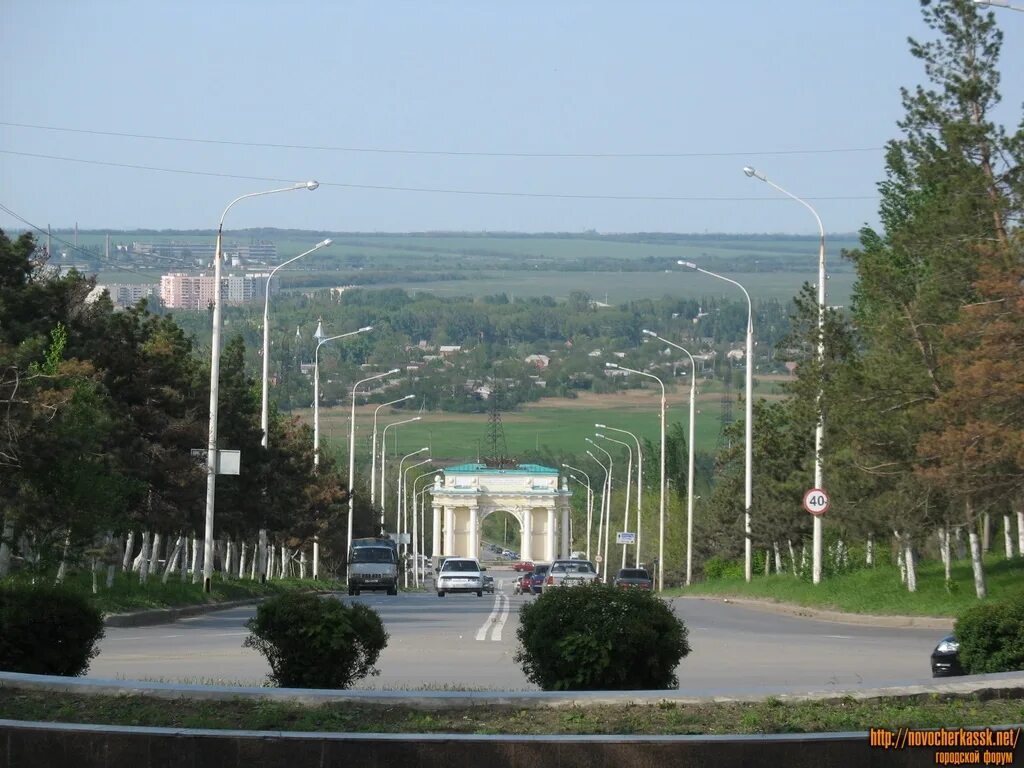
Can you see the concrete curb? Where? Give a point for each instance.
(1000, 685)
(167, 615)
(839, 617)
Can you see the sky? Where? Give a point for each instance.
(457, 115)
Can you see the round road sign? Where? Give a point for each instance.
(598, 559)
(816, 501)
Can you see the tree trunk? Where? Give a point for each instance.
(986, 532)
(778, 557)
(976, 564)
(95, 581)
(144, 558)
(911, 569)
(62, 569)
(263, 555)
(869, 551)
(129, 547)
(184, 558)
(226, 556)
(196, 565)
(114, 545)
(172, 559)
(943, 550)
(792, 556)
(946, 558)
(1018, 507)
(241, 559)
(6, 546)
(302, 563)
(803, 558)
(284, 562)
(255, 559)
(899, 558)
(270, 562)
(154, 557)
(1008, 536)
(767, 562)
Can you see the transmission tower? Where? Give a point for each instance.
(725, 417)
(497, 450)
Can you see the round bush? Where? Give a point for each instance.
(47, 630)
(598, 637)
(991, 636)
(313, 642)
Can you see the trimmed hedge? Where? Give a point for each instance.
(47, 630)
(313, 642)
(598, 637)
(991, 636)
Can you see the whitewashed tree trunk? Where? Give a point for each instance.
(154, 557)
(144, 558)
(869, 551)
(172, 559)
(143, 552)
(129, 547)
(803, 558)
(792, 556)
(946, 557)
(6, 547)
(184, 559)
(943, 550)
(255, 560)
(229, 559)
(977, 566)
(196, 572)
(241, 559)
(62, 569)
(911, 568)
(1008, 536)
(302, 564)
(1018, 507)
(284, 562)
(986, 532)
(114, 545)
(778, 557)
(270, 562)
(899, 557)
(767, 562)
(263, 555)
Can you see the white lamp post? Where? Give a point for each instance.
(629, 484)
(689, 471)
(423, 521)
(607, 506)
(383, 455)
(211, 446)
(417, 529)
(748, 461)
(400, 500)
(661, 514)
(590, 503)
(405, 513)
(604, 496)
(265, 395)
(373, 453)
(819, 429)
(639, 487)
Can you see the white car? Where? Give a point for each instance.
(460, 574)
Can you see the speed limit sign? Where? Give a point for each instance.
(816, 501)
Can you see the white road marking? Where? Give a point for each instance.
(839, 637)
(505, 603)
(481, 634)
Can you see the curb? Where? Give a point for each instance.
(167, 615)
(839, 617)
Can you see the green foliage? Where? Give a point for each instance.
(597, 637)
(314, 642)
(991, 636)
(46, 630)
(722, 568)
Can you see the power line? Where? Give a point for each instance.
(441, 152)
(433, 190)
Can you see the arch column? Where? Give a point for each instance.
(565, 532)
(449, 530)
(527, 527)
(473, 535)
(550, 538)
(436, 538)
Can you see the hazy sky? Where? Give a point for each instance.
(806, 90)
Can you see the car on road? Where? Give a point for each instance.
(946, 658)
(633, 578)
(537, 576)
(488, 584)
(523, 565)
(522, 585)
(570, 573)
(460, 574)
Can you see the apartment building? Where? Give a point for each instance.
(179, 290)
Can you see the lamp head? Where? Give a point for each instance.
(598, 434)
(416, 418)
(610, 365)
(754, 173)
(649, 333)
(365, 328)
(324, 243)
(409, 397)
(589, 441)
(601, 426)
(311, 185)
(687, 264)
(394, 370)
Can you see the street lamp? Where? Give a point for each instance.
(211, 446)
(404, 479)
(352, 448)
(639, 487)
(748, 460)
(689, 472)
(629, 484)
(399, 500)
(265, 395)
(606, 506)
(819, 429)
(999, 4)
(589, 492)
(417, 529)
(373, 453)
(590, 503)
(661, 514)
(383, 454)
(604, 496)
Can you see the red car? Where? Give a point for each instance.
(522, 585)
(523, 565)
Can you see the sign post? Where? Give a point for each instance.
(816, 501)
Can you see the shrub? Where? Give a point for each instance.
(47, 630)
(313, 642)
(722, 568)
(991, 636)
(598, 637)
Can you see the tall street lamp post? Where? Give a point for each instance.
(604, 497)
(590, 504)
(211, 447)
(373, 453)
(748, 459)
(352, 449)
(639, 487)
(819, 429)
(405, 515)
(689, 471)
(265, 394)
(607, 507)
(586, 485)
(661, 503)
(629, 487)
(400, 502)
(383, 456)
(417, 529)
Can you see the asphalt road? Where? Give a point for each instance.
(466, 642)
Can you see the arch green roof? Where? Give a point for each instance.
(483, 469)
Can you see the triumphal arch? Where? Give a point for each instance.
(530, 493)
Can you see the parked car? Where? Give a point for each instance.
(537, 577)
(523, 565)
(570, 573)
(488, 584)
(946, 658)
(522, 585)
(633, 578)
(460, 574)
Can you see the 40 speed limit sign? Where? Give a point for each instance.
(816, 501)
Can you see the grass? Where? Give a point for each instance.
(878, 590)
(666, 718)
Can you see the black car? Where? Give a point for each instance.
(946, 658)
(633, 578)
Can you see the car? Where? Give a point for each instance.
(524, 566)
(946, 658)
(570, 573)
(460, 574)
(633, 578)
(537, 577)
(488, 584)
(522, 585)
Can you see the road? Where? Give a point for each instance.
(466, 642)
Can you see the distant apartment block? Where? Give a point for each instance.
(124, 294)
(262, 251)
(179, 290)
